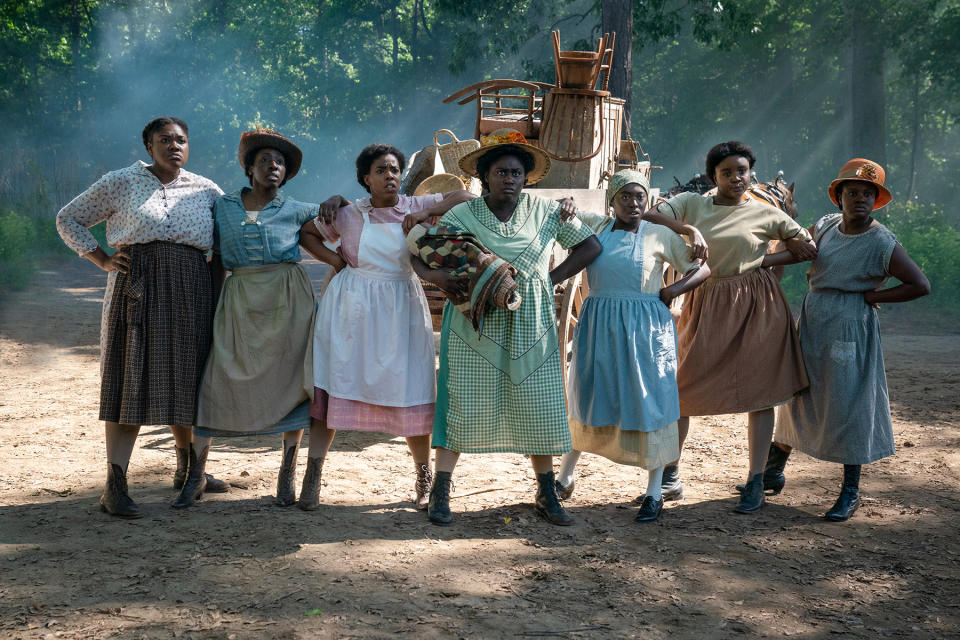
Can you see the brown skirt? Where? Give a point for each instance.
(738, 347)
(158, 334)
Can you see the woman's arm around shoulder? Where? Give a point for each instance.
(430, 214)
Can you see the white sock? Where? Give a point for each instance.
(654, 480)
(567, 465)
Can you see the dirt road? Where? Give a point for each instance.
(368, 566)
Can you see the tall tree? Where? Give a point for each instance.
(616, 16)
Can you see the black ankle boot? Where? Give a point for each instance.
(548, 504)
(438, 509)
(751, 498)
(650, 510)
(287, 478)
(849, 500)
(671, 488)
(422, 486)
(196, 482)
(180, 475)
(773, 478)
(310, 490)
(115, 500)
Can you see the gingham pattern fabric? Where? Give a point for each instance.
(502, 390)
(159, 332)
(341, 414)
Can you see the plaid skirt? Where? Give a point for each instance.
(158, 333)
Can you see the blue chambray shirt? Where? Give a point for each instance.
(273, 238)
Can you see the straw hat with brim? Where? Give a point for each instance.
(267, 139)
(862, 170)
(439, 183)
(503, 138)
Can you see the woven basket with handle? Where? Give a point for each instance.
(451, 152)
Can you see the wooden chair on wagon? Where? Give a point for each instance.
(505, 104)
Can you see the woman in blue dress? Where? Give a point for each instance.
(622, 387)
(844, 416)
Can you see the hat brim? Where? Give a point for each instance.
(883, 195)
(257, 141)
(541, 163)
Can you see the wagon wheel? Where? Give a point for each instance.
(569, 300)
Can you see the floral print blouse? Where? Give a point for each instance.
(139, 209)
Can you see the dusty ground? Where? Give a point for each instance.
(367, 565)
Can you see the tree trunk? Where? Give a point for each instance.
(616, 16)
(867, 99)
(915, 139)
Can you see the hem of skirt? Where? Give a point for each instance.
(551, 452)
(365, 429)
(719, 411)
(149, 422)
(205, 432)
(828, 458)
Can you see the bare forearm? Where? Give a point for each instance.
(780, 259)
(901, 293)
(581, 256)
(691, 280)
(658, 218)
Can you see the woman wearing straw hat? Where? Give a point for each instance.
(622, 385)
(500, 390)
(373, 346)
(844, 416)
(258, 377)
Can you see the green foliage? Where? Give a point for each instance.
(929, 239)
(23, 241)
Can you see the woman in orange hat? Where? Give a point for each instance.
(844, 416)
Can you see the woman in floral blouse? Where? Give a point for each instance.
(158, 308)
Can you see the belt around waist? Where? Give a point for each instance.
(264, 268)
(382, 275)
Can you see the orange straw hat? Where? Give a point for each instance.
(502, 138)
(862, 170)
(268, 139)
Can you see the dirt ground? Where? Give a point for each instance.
(366, 565)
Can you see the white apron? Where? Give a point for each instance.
(373, 341)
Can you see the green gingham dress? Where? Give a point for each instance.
(501, 390)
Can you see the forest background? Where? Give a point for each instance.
(808, 83)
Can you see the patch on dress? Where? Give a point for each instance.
(843, 352)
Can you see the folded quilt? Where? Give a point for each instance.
(481, 278)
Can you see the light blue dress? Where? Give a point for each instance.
(844, 416)
(622, 385)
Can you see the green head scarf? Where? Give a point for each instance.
(621, 179)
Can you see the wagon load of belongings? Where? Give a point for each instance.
(481, 278)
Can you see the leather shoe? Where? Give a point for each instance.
(845, 506)
(751, 498)
(649, 510)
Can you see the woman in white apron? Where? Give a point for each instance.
(373, 344)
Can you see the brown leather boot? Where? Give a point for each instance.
(196, 482)
(422, 486)
(180, 475)
(287, 478)
(310, 491)
(115, 500)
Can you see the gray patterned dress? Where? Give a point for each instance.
(844, 416)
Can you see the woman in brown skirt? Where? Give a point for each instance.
(738, 348)
(158, 309)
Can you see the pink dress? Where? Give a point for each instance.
(373, 347)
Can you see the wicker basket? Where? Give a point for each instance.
(451, 152)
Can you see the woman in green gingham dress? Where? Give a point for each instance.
(501, 390)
